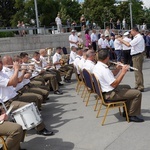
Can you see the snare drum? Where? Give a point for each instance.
(27, 116)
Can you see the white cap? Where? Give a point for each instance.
(79, 34)
(73, 31)
(126, 33)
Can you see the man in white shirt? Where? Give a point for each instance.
(118, 48)
(58, 23)
(137, 48)
(126, 49)
(49, 67)
(94, 39)
(73, 39)
(111, 88)
(62, 68)
(89, 63)
(77, 59)
(10, 97)
(102, 43)
(83, 59)
(72, 54)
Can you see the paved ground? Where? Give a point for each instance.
(77, 128)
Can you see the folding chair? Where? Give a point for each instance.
(88, 83)
(106, 102)
(79, 81)
(3, 143)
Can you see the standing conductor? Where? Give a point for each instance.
(137, 49)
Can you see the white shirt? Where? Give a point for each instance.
(44, 61)
(93, 37)
(9, 73)
(72, 57)
(58, 20)
(73, 38)
(117, 45)
(124, 47)
(102, 43)
(76, 62)
(104, 75)
(56, 58)
(89, 65)
(81, 63)
(137, 44)
(6, 92)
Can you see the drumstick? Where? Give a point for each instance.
(10, 108)
(3, 105)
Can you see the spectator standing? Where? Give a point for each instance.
(148, 45)
(124, 24)
(94, 39)
(87, 38)
(118, 48)
(118, 24)
(126, 49)
(83, 22)
(58, 23)
(80, 40)
(19, 27)
(23, 29)
(107, 31)
(73, 39)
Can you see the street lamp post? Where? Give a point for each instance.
(131, 20)
(36, 13)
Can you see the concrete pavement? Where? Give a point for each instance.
(77, 128)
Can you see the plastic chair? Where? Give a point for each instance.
(108, 103)
(3, 143)
(89, 84)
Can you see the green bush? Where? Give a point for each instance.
(6, 34)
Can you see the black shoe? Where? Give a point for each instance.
(135, 119)
(67, 81)
(45, 132)
(58, 92)
(60, 84)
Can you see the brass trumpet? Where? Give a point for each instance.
(62, 62)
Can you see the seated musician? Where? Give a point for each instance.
(68, 69)
(111, 88)
(48, 76)
(72, 54)
(14, 134)
(49, 66)
(11, 98)
(90, 61)
(28, 94)
(78, 57)
(83, 59)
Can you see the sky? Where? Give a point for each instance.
(146, 3)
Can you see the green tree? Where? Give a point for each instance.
(99, 11)
(123, 11)
(7, 10)
(70, 10)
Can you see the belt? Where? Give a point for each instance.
(136, 54)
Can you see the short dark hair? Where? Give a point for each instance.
(23, 54)
(58, 48)
(135, 29)
(103, 54)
